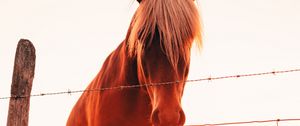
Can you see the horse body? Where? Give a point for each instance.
(154, 51)
(112, 107)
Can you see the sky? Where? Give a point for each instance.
(73, 37)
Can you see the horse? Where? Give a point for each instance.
(156, 49)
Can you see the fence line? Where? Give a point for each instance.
(249, 122)
(156, 84)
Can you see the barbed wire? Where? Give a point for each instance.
(250, 122)
(155, 84)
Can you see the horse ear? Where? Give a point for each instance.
(139, 1)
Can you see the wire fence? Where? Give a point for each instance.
(258, 74)
(277, 121)
(155, 84)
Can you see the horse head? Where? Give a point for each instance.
(160, 37)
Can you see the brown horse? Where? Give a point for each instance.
(156, 49)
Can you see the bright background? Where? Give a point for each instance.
(73, 37)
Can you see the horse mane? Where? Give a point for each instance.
(177, 23)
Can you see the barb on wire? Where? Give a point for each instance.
(249, 122)
(156, 84)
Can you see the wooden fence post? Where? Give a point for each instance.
(23, 74)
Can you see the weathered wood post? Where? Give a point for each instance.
(23, 74)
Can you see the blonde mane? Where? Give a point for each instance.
(177, 23)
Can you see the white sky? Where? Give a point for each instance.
(72, 38)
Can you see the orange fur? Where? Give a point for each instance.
(156, 49)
